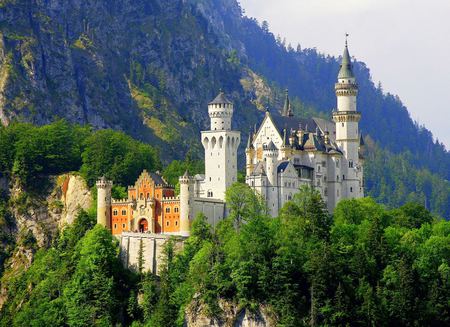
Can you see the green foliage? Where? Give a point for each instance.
(78, 282)
(116, 156)
(31, 154)
(177, 168)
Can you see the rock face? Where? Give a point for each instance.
(142, 66)
(43, 215)
(232, 317)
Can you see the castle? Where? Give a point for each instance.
(284, 153)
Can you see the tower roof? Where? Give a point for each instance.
(249, 141)
(287, 112)
(346, 70)
(271, 146)
(221, 98)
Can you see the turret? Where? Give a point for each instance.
(220, 112)
(285, 147)
(287, 111)
(186, 193)
(249, 156)
(220, 144)
(347, 118)
(270, 153)
(104, 202)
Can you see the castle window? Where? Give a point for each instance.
(167, 223)
(337, 178)
(141, 196)
(350, 164)
(168, 210)
(115, 226)
(176, 223)
(175, 209)
(148, 195)
(115, 212)
(124, 212)
(342, 124)
(123, 225)
(351, 189)
(343, 177)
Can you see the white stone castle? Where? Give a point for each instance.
(283, 154)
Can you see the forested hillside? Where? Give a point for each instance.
(149, 67)
(366, 267)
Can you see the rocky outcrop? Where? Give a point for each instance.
(45, 214)
(232, 316)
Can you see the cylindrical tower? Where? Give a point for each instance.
(104, 202)
(220, 111)
(249, 156)
(186, 191)
(346, 117)
(270, 153)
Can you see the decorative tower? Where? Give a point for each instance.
(220, 144)
(347, 118)
(287, 111)
(104, 202)
(186, 193)
(249, 156)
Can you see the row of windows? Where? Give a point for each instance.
(116, 212)
(168, 223)
(174, 209)
(115, 226)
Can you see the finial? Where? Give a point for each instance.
(346, 39)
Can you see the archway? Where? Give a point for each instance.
(143, 225)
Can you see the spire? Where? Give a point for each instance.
(285, 141)
(249, 142)
(287, 111)
(346, 70)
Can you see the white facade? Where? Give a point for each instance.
(206, 193)
(287, 152)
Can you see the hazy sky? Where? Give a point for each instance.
(405, 44)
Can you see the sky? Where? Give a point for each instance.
(405, 44)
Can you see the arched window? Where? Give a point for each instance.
(124, 212)
(115, 212)
(175, 209)
(351, 189)
(168, 210)
(115, 226)
(141, 196)
(123, 225)
(167, 223)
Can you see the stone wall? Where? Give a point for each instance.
(150, 245)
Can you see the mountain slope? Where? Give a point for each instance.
(149, 67)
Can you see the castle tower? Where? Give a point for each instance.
(347, 118)
(104, 202)
(270, 153)
(249, 156)
(186, 193)
(220, 144)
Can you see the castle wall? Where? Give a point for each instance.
(151, 246)
(213, 209)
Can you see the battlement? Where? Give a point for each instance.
(170, 199)
(104, 183)
(120, 201)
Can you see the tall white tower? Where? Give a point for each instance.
(186, 202)
(104, 202)
(347, 132)
(220, 144)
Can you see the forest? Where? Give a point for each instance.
(363, 266)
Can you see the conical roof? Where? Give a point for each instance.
(287, 112)
(249, 141)
(346, 70)
(221, 99)
(271, 146)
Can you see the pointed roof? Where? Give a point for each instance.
(186, 175)
(249, 141)
(346, 70)
(271, 146)
(285, 139)
(221, 98)
(361, 140)
(287, 111)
